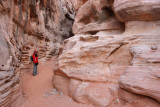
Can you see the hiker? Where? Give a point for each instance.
(34, 58)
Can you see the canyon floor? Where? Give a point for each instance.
(34, 88)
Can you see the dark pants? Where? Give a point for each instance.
(34, 69)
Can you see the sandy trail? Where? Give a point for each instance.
(34, 88)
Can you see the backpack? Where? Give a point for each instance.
(31, 58)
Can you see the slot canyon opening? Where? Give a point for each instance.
(74, 67)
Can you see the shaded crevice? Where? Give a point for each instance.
(33, 13)
(92, 32)
(89, 39)
(109, 11)
(115, 50)
(105, 14)
(68, 17)
(20, 10)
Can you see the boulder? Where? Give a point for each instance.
(92, 63)
(91, 58)
(137, 10)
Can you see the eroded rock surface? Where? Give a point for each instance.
(112, 59)
(143, 76)
(106, 56)
(9, 84)
(128, 99)
(95, 16)
(26, 26)
(139, 10)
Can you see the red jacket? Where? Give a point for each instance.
(35, 59)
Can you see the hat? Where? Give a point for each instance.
(35, 51)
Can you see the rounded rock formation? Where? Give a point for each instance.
(95, 16)
(137, 10)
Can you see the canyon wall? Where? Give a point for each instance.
(113, 58)
(111, 61)
(25, 26)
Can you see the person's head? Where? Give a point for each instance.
(35, 52)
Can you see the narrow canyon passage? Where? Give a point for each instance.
(108, 53)
(35, 87)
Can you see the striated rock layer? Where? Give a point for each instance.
(109, 63)
(27, 25)
(140, 79)
(131, 10)
(9, 87)
(91, 61)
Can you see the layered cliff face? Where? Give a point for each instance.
(25, 26)
(142, 76)
(112, 60)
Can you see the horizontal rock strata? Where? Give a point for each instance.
(112, 60)
(26, 26)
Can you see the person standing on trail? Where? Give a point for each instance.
(34, 58)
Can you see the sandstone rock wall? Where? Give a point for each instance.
(112, 60)
(98, 16)
(25, 26)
